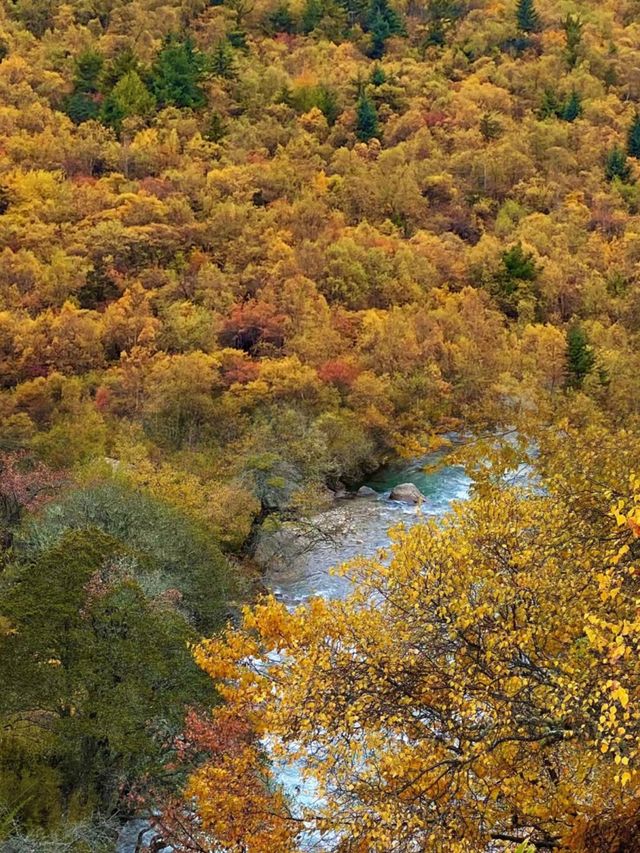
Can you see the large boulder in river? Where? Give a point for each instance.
(407, 493)
(366, 492)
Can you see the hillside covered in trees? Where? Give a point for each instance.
(251, 251)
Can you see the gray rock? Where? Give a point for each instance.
(366, 492)
(407, 493)
(278, 485)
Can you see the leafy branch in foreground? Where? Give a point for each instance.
(480, 685)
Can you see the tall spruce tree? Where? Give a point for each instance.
(222, 61)
(633, 138)
(515, 280)
(441, 17)
(312, 15)
(490, 127)
(281, 20)
(580, 357)
(382, 21)
(82, 104)
(367, 119)
(572, 26)
(573, 107)
(551, 105)
(527, 16)
(177, 73)
(617, 165)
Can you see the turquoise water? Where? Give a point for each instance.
(435, 479)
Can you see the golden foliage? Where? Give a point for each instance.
(480, 682)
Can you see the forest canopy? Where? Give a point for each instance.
(250, 252)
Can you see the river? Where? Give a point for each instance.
(297, 562)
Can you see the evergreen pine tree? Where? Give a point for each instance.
(87, 70)
(441, 17)
(573, 32)
(281, 20)
(580, 357)
(80, 107)
(377, 76)
(550, 106)
(515, 280)
(177, 73)
(215, 128)
(367, 119)
(527, 16)
(82, 104)
(382, 21)
(573, 107)
(237, 38)
(617, 165)
(380, 32)
(327, 102)
(633, 137)
(518, 264)
(122, 63)
(222, 62)
(311, 15)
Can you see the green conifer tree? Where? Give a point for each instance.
(88, 66)
(82, 104)
(573, 107)
(490, 127)
(281, 20)
(312, 14)
(580, 357)
(237, 38)
(573, 32)
(177, 74)
(633, 138)
(377, 76)
(327, 102)
(550, 107)
(441, 17)
(382, 21)
(222, 62)
(527, 16)
(515, 280)
(215, 128)
(367, 119)
(617, 165)
(518, 264)
(124, 61)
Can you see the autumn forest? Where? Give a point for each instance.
(253, 253)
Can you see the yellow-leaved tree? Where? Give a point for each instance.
(478, 690)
